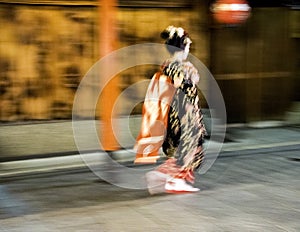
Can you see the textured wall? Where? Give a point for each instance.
(45, 50)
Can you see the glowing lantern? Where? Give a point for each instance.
(231, 11)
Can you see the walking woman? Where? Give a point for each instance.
(172, 120)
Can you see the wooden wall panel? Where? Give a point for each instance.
(258, 54)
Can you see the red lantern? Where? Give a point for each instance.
(231, 11)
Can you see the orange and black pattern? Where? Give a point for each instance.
(185, 129)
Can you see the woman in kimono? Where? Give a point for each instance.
(172, 120)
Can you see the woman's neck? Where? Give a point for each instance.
(179, 56)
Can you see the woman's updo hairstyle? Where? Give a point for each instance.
(175, 37)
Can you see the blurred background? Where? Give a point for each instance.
(46, 48)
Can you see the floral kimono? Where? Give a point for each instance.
(172, 119)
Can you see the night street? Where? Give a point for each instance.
(241, 192)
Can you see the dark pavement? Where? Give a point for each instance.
(252, 186)
(257, 191)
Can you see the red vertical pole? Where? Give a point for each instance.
(107, 40)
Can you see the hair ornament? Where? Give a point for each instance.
(171, 30)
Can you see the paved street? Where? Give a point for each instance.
(241, 192)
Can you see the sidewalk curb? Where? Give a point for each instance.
(14, 169)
